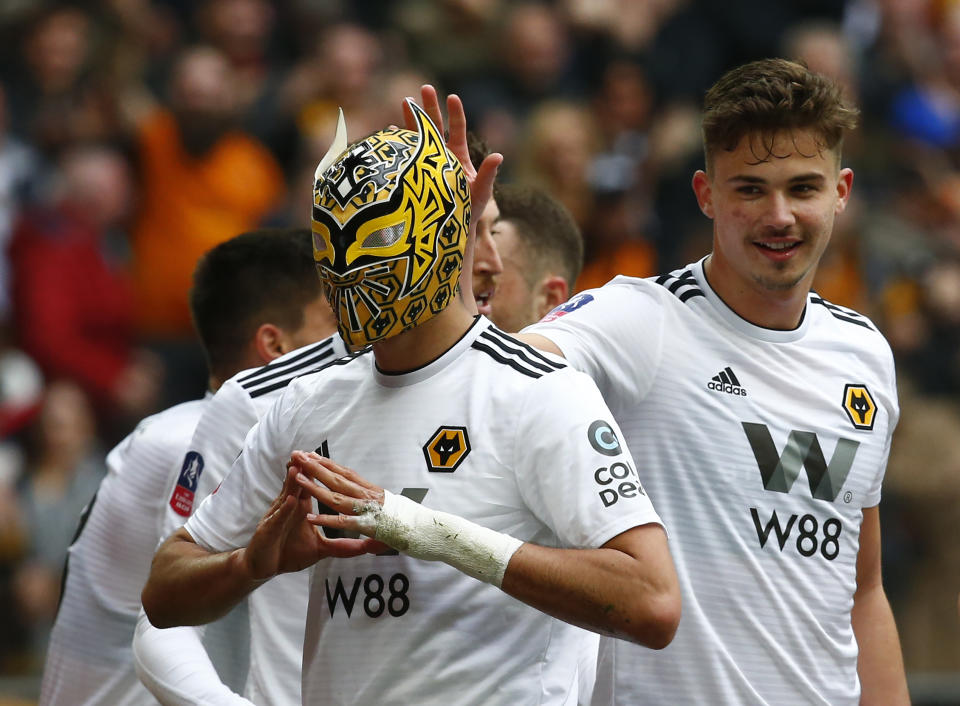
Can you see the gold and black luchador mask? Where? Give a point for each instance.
(390, 220)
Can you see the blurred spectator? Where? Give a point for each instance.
(64, 467)
(203, 181)
(342, 72)
(623, 103)
(613, 243)
(534, 55)
(536, 52)
(560, 142)
(21, 390)
(241, 30)
(19, 170)
(21, 393)
(924, 317)
(72, 292)
(622, 106)
(824, 48)
(632, 27)
(143, 38)
(541, 252)
(928, 110)
(451, 39)
(60, 98)
(617, 229)
(680, 233)
(840, 279)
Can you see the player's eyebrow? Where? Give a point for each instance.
(811, 176)
(752, 179)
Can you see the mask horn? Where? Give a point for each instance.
(336, 148)
(425, 124)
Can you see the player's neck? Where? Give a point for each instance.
(424, 343)
(778, 309)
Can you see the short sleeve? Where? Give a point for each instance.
(216, 443)
(573, 468)
(891, 405)
(613, 334)
(228, 517)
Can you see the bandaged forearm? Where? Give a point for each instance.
(422, 533)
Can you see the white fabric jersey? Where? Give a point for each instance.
(276, 636)
(491, 431)
(89, 659)
(761, 448)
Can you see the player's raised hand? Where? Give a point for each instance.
(480, 181)
(343, 490)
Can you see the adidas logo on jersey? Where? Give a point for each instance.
(726, 381)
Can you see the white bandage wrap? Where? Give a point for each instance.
(427, 534)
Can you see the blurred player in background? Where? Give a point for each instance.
(254, 298)
(487, 266)
(276, 635)
(541, 251)
(729, 377)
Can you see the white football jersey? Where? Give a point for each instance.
(276, 636)
(761, 448)
(492, 431)
(89, 660)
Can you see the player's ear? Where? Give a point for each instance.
(844, 184)
(269, 342)
(704, 192)
(552, 292)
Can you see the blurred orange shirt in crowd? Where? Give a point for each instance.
(839, 281)
(188, 205)
(635, 258)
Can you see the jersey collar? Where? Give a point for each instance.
(428, 370)
(733, 319)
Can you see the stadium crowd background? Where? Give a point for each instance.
(135, 134)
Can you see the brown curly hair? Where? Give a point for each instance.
(768, 96)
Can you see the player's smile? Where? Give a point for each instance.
(483, 291)
(778, 250)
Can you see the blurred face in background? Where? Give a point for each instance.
(203, 98)
(487, 266)
(318, 323)
(535, 46)
(66, 424)
(514, 304)
(239, 28)
(57, 49)
(99, 180)
(350, 56)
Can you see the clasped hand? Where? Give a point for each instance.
(289, 538)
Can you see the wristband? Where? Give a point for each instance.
(422, 533)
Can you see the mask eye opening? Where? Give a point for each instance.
(384, 237)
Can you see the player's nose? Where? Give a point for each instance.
(486, 257)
